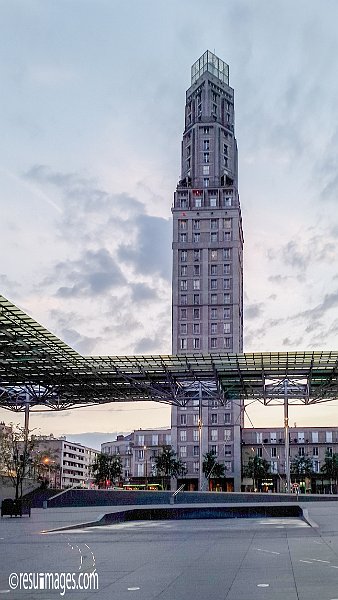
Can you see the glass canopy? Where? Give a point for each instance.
(211, 63)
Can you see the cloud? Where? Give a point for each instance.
(141, 292)
(253, 311)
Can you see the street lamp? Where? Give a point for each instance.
(145, 462)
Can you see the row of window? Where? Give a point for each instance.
(213, 269)
(213, 223)
(214, 236)
(300, 437)
(200, 202)
(213, 284)
(215, 313)
(196, 467)
(213, 343)
(214, 328)
(214, 299)
(215, 419)
(214, 254)
(301, 452)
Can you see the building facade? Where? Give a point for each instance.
(138, 451)
(207, 285)
(313, 443)
(65, 463)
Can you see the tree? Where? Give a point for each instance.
(330, 467)
(256, 468)
(106, 468)
(211, 468)
(168, 465)
(301, 466)
(46, 466)
(16, 449)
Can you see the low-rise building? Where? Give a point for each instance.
(313, 443)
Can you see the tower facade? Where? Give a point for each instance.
(207, 286)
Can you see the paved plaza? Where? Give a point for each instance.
(230, 559)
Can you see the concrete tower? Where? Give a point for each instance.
(207, 287)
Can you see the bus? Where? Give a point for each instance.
(153, 487)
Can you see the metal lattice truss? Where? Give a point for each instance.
(38, 368)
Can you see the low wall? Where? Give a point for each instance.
(7, 489)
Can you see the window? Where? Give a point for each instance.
(226, 284)
(213, 343)
(227, 299)
(198, 202)
(227, 451)
(213, 284)
(184, 299)
(183, 255)
(300, 437)
(213, 449)
(183, 328)
(226, 327)
(154, 439)
(315, 466)
(140, 470)
(196, 467)
(213, 298)
(213, 223)
(227, 418)
(183, 435)
(183, 237)
(184, 284)
(301, 451)
(196, 328)
(206, 170)
(274, 452)
(183, 419)
(315, 451)
(315, 437)
(213, 236)
(140, 454)
(206, 157)
(227, 201)
(227, 223)
(206, 144)
(213, 313)
(227, 343)
(196, 313)
(183, 451)
(196, 298)
(259, 438)
(213, 202)
(227, 253)
(214, 403)
(259, 452)
(183, 313)
(225, 149)
(227, 236)
(196, 224)
(227, 435)
(183, 343)
(213, 269)
(213, 255)
(206, 183)
(206, 130)
(140, 440)
(226, 313)
(196, 343)
(214, 435)
(195, 419)
(328, 437)
(273, 437)
(196, 269)
(213, 328)
(196, 254)
(214, 419)
(183, 270)
(329, 451)
(182, 223)
(168, 439)
(228, 466)
(196, 450)
(274, 466)
(183, 203)
(195, 403)
(196, 433)
(196, 284)
(196, 238)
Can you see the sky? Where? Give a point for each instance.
(91, 122)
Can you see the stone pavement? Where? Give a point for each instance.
(230, 559)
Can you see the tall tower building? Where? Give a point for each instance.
(207, 286)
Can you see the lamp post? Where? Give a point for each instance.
(145, 463)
